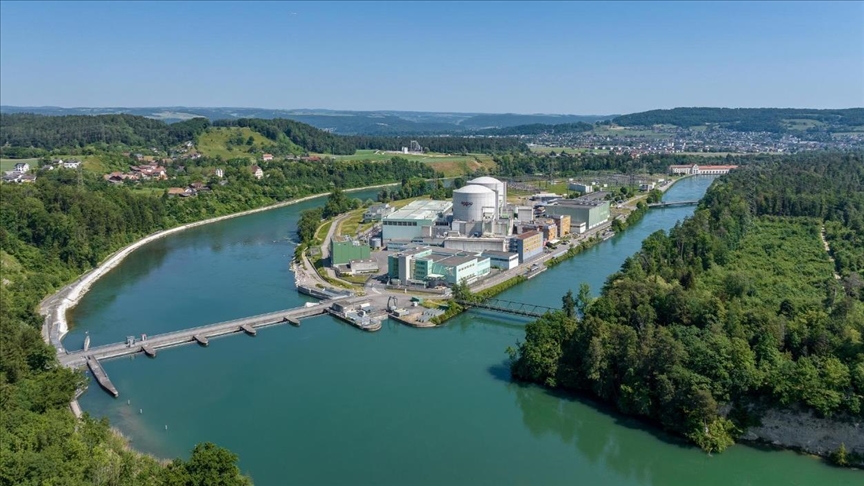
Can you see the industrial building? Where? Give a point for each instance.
(476, 244)
(527, 245)
(344, 249)
(503, 260)
(591, 212)
(695, 169)
(563, 223)
(419, 218)
(580, 187)
(376, 212)
(437, 265)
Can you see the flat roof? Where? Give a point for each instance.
(501, 254)
(526, 235)
(575, 203)
(420, 209)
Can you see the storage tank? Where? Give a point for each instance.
(469, 202)
(494, 185)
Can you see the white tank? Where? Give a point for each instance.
(470, 201)
(494, 185)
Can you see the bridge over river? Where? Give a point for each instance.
(671, 204)
(91, 357)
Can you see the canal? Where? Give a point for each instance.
(329, 404)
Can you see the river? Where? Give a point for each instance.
(329, 404)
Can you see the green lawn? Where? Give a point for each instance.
(9, 164)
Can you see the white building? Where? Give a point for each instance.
(419, 218)
(22, 167)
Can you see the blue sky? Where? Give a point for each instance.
(550, 57)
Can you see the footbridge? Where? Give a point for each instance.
(90, 357)
(671, 204)
(508, 307)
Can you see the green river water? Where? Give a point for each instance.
(329, 404)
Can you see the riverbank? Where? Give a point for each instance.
(55, 306)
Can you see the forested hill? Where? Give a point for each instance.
(28, 132)
(734, 311)
(50, 132)
(776, 120)
(539, 128)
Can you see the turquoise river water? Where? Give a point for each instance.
(329, 404)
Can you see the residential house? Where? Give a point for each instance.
(22, 167)
(267, 157)
(257, 172)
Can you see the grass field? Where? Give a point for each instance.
(449, 165)
(214, 143)
(801, 123)
(9, 164)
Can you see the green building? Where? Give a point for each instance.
(344, 249)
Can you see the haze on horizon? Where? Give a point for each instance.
(579, 58)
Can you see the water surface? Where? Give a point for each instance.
(329, 404)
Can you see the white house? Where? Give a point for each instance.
(71, 164)
(22, 167)
(257, 172)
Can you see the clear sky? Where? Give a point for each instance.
(553, 57)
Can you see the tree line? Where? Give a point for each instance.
(773, 120)
(732, 312)
(28, 131)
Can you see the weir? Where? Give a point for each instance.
(199, 335)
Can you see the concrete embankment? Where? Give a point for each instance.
(55, 307)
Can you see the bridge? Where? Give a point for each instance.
(672, 204)
(199, 335)
(508, 307)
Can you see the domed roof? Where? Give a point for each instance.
(473, 189)
(484, 180)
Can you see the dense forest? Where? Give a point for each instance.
(538, 129)
(25, 135)
(572, 164)
(731, 312)
(75, 131)
(53, 230)
(443, 144)
(774, 120)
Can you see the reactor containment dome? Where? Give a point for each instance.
(472, 201)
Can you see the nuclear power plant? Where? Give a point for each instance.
(435, 241)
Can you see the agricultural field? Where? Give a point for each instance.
(802, 124)
(217, 142)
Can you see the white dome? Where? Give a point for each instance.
(473, 189)
(484, 180)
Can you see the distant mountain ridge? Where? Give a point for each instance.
(421, 123)
(343, 122)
